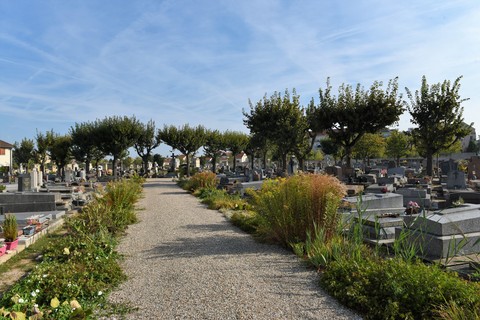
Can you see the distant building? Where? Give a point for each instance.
(6, 155)
(472, 136)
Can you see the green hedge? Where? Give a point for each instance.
(396, 289)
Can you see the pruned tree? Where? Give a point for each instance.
(60, 153)
(84, 143)
(185, 139)
(159, 160)
(214, 144)
(280, 120)
(146, 142)
(44, 143)
(397, 145)
(23, 152)
(236, 142)
(436, 110)
(371, 145)
(116, 134)
(331, 148)
(353, 113)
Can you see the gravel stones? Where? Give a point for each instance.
(184, 261)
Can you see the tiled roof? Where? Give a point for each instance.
(4, 144)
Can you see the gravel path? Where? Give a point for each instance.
(184, 261)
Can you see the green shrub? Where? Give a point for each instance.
(396, 289)
(206, 179)
(245, 220)
(10, 231)
(289, 208)
(79, 268)
(111, 212)
(219, 199)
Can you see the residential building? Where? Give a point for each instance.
(6, 155)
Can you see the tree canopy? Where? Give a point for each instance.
(353, 113)
(236, 142)
(23, 152)
(436, 110)
(146, 142)
(83, 142)
(117, 134)
(44, 143)
(185, 139)
(214, 143)
(281, 121)
(397, 145)
(60, 152)
(370, 145)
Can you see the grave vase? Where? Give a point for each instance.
(11, 245)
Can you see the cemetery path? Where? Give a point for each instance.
(184, 261)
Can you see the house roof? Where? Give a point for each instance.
(240, 155)
(6, 145)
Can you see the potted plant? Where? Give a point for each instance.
(3, 248)
(10, 231)
(2, 188)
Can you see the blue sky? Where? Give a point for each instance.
(199, 61)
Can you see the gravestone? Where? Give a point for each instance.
(410, 173)
(24, 183)
(473, 168)
(447, 166)
(446, 233)
(335, 171)
(422, 196)
(83, 175)
(28, 202)
(397, 171)
(456, 180)
(380, 188)
(379, 215)
(378, 203)
(391, 164)
(368, 178)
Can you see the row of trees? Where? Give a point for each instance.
(353, 113)
(278, 126)
(89, 142)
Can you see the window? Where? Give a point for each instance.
(2, 151)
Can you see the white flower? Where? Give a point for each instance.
(69, 284)
(21, 300)
(33, 294)
(37, 291)
(44, 276)
(100, 293)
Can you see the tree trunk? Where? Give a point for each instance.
(187, 155)
(429, 163)
(234, 161)
(87, 166)
(348, 157)
(301, 163)
(114, 162)
(284, 163)
(398, 161)
(145, 162)
(214, 163)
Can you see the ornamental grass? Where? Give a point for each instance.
(291, 208)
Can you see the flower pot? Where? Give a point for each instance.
(28, 230)
(11, 245)
(3, 249)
